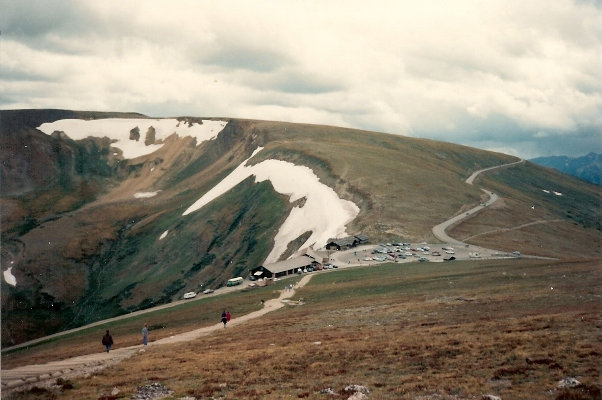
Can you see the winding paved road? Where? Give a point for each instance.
(439, 230)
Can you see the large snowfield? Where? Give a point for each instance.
(324, 213)
(118, 130)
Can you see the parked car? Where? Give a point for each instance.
(207, 291)
(252, 278)
(189, 295)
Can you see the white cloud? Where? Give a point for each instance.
(400, 67)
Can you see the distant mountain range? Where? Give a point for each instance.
(587, 167)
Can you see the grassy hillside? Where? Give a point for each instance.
(510, 328)
(85, 249)
(403, 186)
(532, 219)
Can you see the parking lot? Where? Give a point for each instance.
(410, 252)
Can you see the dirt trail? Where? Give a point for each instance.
(499, 230)
(45, 374)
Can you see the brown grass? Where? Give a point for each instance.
(505, 227)
(440, 330)
(172, 321)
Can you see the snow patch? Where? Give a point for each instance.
(9, 277)
(324, 213)
(146, 195)
(118, 130)
(163, 235)
(553, 191)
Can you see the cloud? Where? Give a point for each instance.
(496, 73)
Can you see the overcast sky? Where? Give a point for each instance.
(520, 77)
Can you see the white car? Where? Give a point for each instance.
(189, 295)
(450, 252)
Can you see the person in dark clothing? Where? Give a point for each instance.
(224, 318)
(145, 335)
(107, 340)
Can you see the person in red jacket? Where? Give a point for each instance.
(228, 316)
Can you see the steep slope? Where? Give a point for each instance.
(125, 243)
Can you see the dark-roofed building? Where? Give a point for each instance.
(362, 238)
(283, 268)
(346, 242)
(342, 243)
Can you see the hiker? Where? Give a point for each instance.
(145, 335)
(107, 340)
(224, 318)
(228, 316)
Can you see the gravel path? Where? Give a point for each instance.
(46, 374)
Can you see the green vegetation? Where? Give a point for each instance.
(224, 239)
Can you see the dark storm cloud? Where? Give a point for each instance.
(39, 23)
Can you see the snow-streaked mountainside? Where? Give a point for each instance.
(105, 213)
(134, 137)
(587, 167)
(323, 213)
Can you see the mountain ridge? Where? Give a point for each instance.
(84, 247)
(587, 167)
